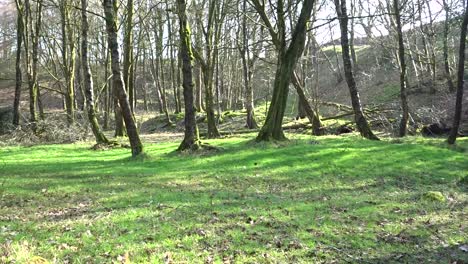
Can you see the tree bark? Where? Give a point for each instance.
(287, 59)
(68, 59)
(402, 61)
(249, 102)
(19, 74)
(110, 8)
(361, 121)
(128, 54)
(33, 58)
(191, 139)
(448, 74)
(460, 81)
(276, 38)
(87, 77)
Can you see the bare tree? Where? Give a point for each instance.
(110, 8)
(361, 121)
(460, 80)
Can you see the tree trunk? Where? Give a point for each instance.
(19, 74)
(87, 77)
(249, 100)
(360, 119)
(191, 138)
(460, 81)
(198, 86)
(173, 69)
(68, 59)
(110, 10)
(448, 74)
(128, 54)
(287, 59)
(402, 60)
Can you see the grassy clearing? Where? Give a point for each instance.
(310, 200)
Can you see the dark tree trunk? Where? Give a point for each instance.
(402, 60)
(361, 121)
(191, 139)
(110, 8)
(460, 81)
(287, 59)
(19, 74)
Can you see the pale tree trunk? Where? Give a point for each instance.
(128, 54)
(68, 59)
(110, 10)
(87, 77)
(173, 69)
(198, 88)
(160, 66)
(249, 100)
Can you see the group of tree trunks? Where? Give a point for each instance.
(288, 49)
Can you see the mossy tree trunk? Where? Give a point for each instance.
(110, 10)
(460, 80)
(287, 59)
(361, 121)
(68, 58)
(280, 47)
(212, 34)
(87, 77)
(32, 30)
(191, 139)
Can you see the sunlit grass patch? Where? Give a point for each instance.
(310, 199)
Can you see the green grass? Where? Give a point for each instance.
(309, 200)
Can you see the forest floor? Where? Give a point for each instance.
(309, 200)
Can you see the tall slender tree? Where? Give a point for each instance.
(128, 63)
(33, 25)
(402, 62)
(87, 76)
(460, 80)
(110, 10)
(247, 71)
(361, 121)
(448, 74)
(68, 58)
(191, 138)
(19, 73)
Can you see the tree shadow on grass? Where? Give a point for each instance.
(245, 200)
